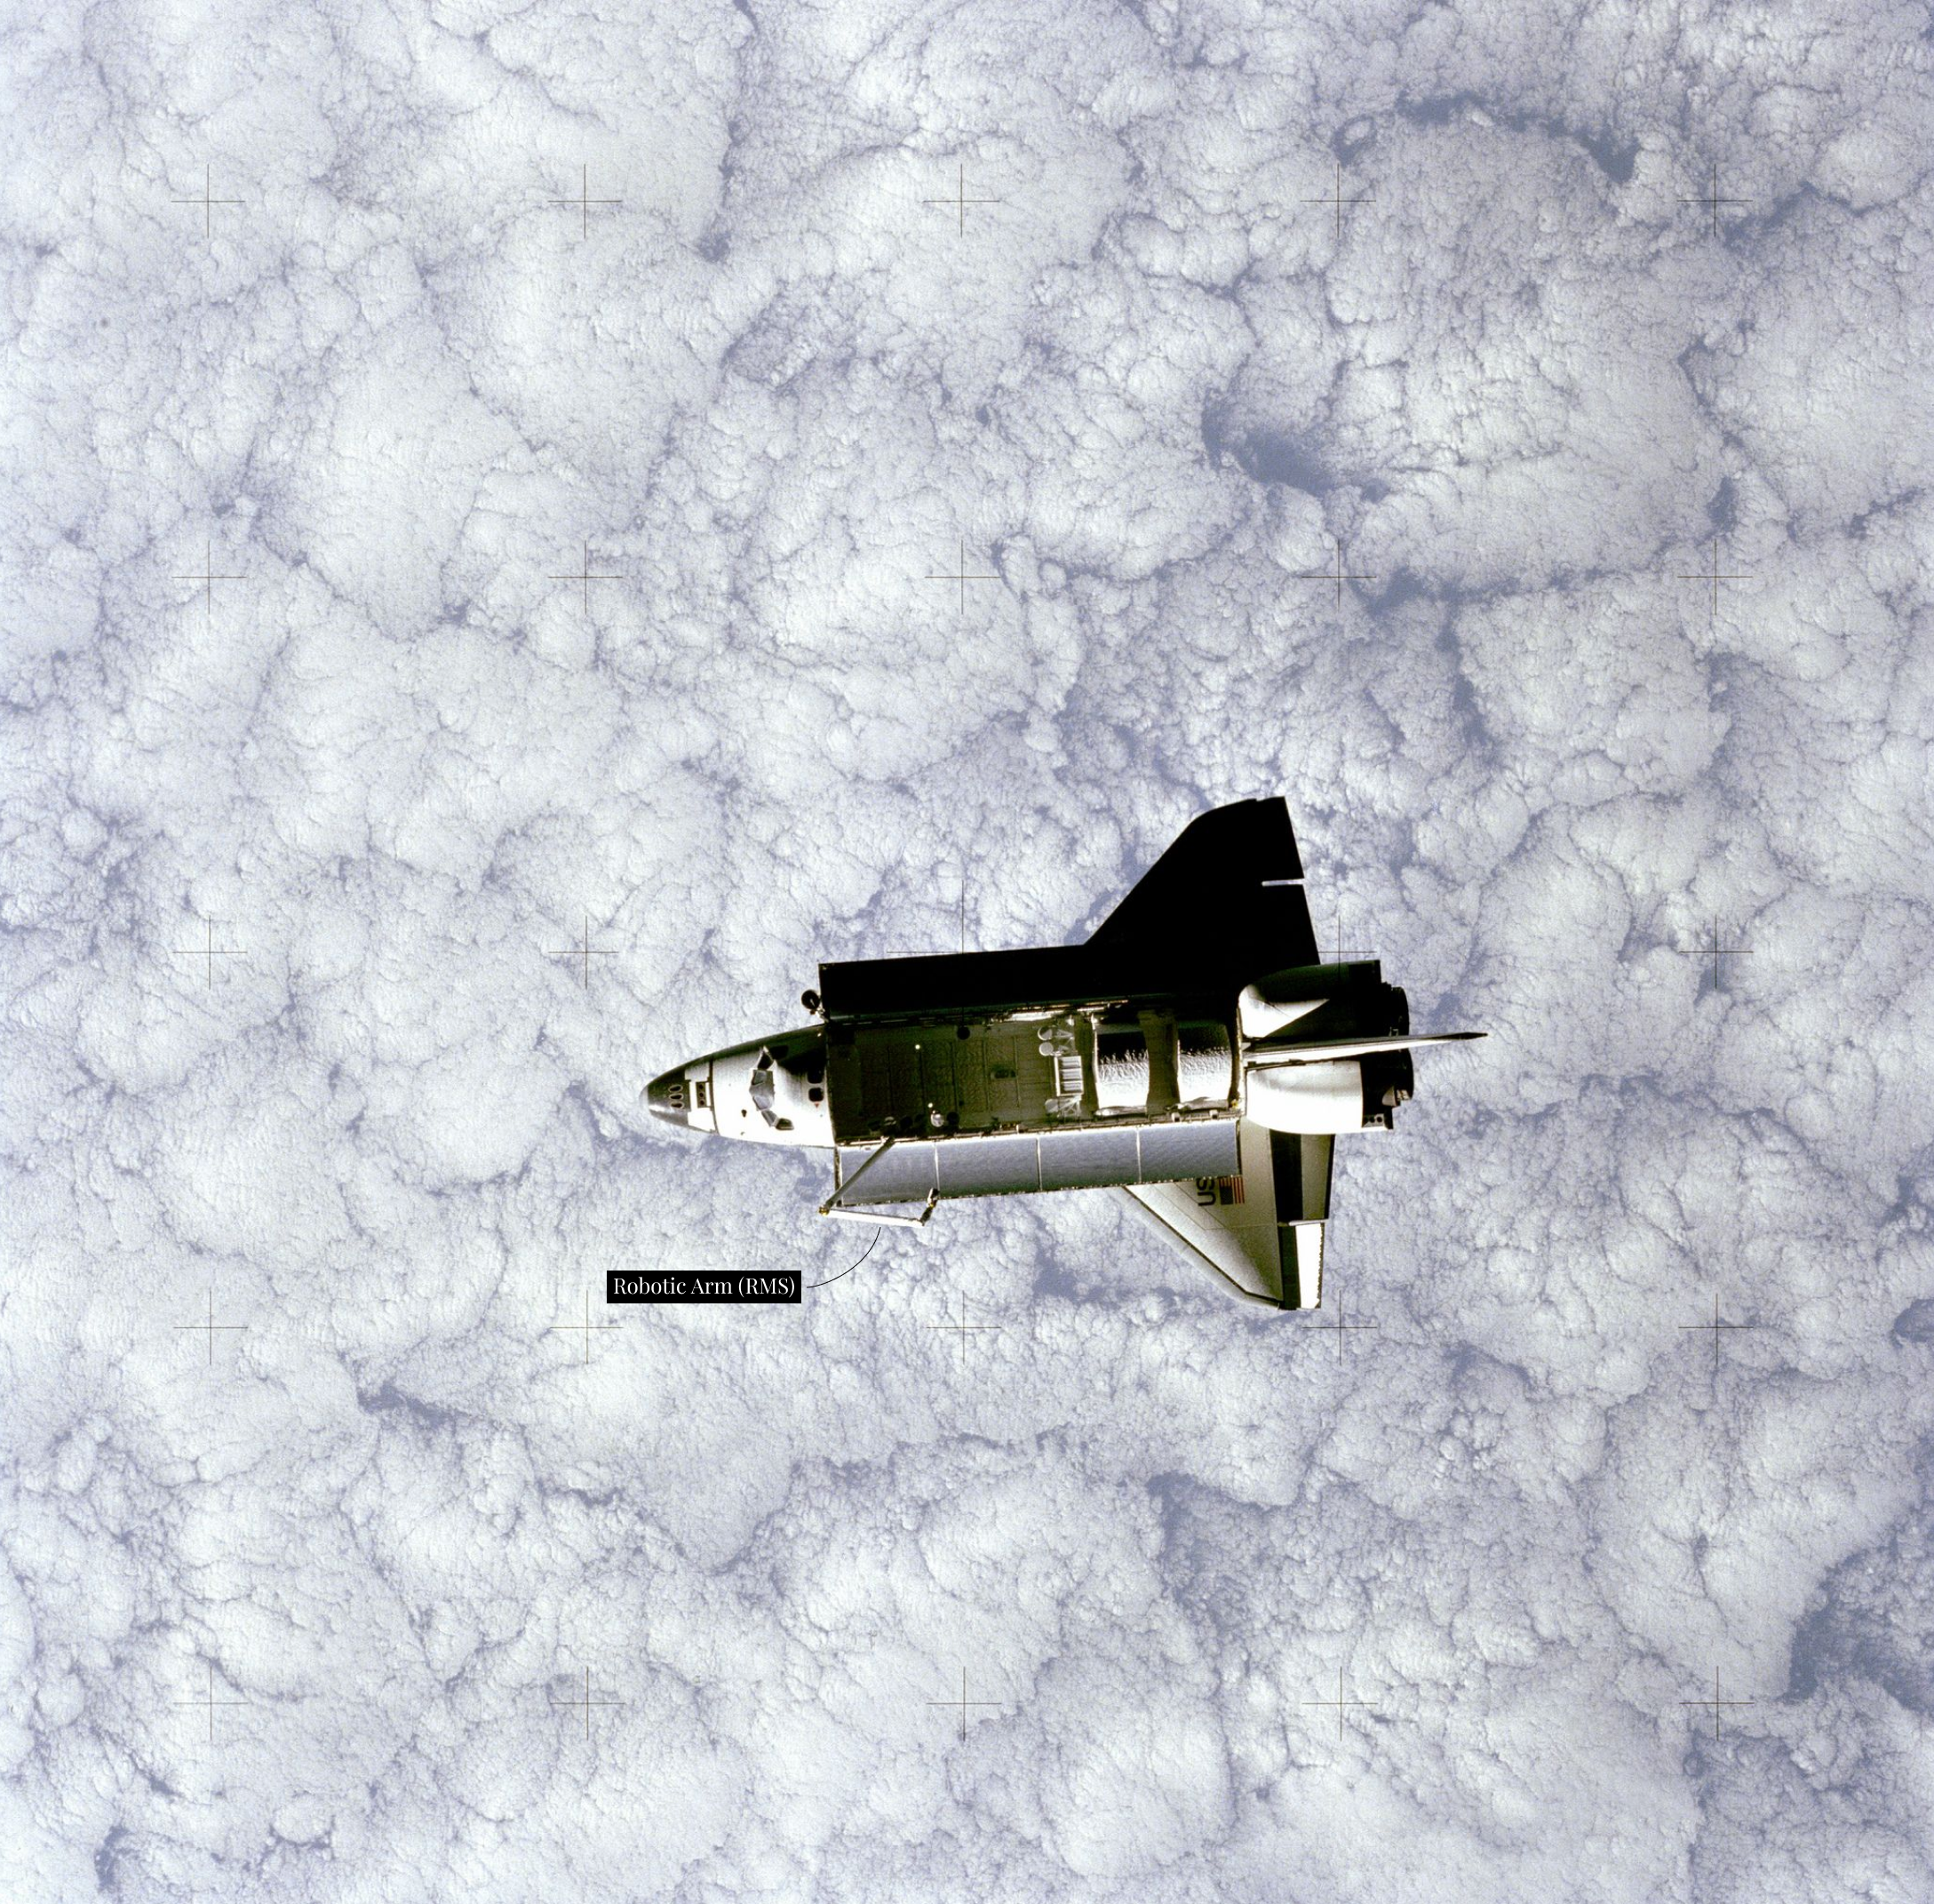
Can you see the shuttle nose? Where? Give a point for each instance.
(665, 1097)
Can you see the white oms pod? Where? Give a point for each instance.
(1267, 1006)
(1306, 1100)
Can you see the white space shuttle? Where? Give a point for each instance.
(1193, 1054)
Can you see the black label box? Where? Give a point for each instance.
(701, 1285)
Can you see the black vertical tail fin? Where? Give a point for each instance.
(1225, 895)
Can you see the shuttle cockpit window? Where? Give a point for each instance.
(764, 1093)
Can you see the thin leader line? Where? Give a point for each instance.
(864, 1253)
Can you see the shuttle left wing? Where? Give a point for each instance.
(1261, 1230)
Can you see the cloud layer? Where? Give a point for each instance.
(1614, 309)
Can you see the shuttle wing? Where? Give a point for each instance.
(1261, 1230)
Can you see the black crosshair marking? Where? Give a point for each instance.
(1716, 1325)
(587, 1702)
(208, 202)
(587, 575)
(1715, 576)
(586, 1325)
(963, 1702)
(1716, 1702)
(1337, 199)
(964, 1329)
(864, 1253)
(963, 575)
(208, 576)
(584, 950)
(584, 201)
(1348, 951)
(210, 1702)
(1340, 1702)
(1714, 201)
(960, 200)
(1339, 1326)
(211, 951)
(1339, 575)
(1715, 952)
(210, 1327)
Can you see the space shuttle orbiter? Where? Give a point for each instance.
(1194, 1053)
